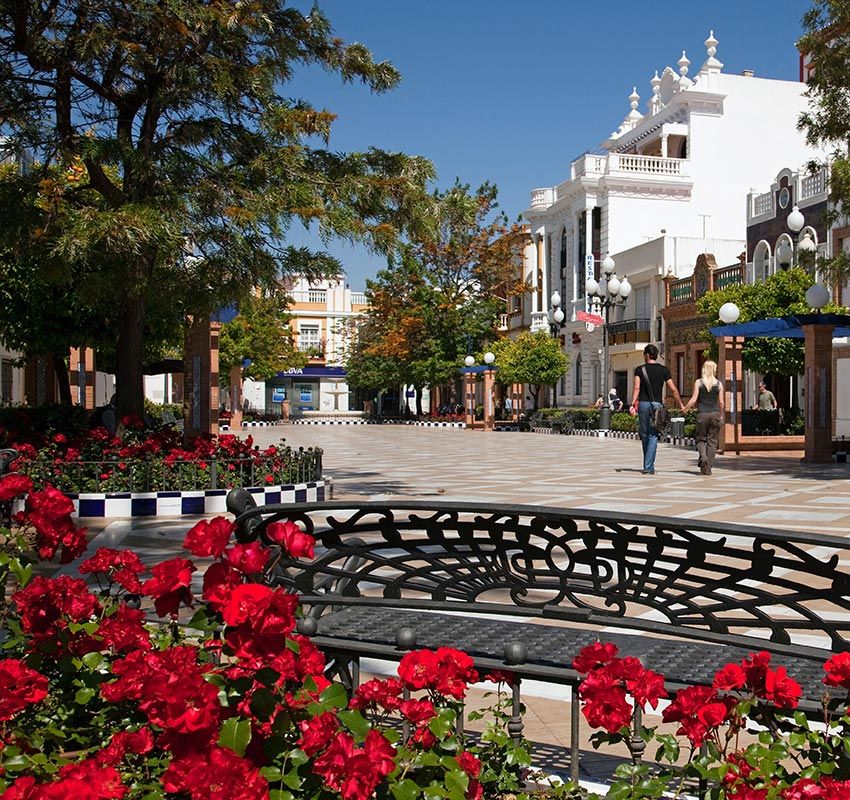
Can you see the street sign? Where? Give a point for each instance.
(585, 316)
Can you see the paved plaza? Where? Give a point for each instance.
(383, 461)
(405, 463)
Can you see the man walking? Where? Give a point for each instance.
(649, 383)
(766, 401)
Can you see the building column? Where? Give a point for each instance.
(469, 398)
(730, 371)
(39, 381)
(535, 274)
(200, 377)
(235, 397)
(664, 145)
(490, 400)
(545, 293)
(81, 376)
(818, 387)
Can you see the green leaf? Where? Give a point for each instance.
(457, 780)
(235, 735)
(280, 794)
(355, 722)
(334, 696)
(406, 790)
(93, 660)
(293, 780)
(84, 695)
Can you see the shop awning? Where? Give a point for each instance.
(314, 371)
(790, 327)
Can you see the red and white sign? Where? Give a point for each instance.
(584, 316)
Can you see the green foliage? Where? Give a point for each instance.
(168, 160)
(441, 295)
(827, 119)
(779, 295)
(532, 358)
(259, 333)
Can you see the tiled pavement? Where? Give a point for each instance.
(377, 462)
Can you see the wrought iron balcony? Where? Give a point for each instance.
(629, 331)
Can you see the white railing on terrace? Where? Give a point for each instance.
(813, 185)
(309, 296)
(623, 164)
(503, 322)
(542, 198)
(358, 298)
(763, 204)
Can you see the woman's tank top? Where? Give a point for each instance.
(707, 401)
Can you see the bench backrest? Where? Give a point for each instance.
(786, 592)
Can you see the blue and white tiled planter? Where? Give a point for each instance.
(175, 504)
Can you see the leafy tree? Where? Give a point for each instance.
(189, 162)
(535, 359)
(827, 121)
(260, 334)
(779, 295)
(441, 295)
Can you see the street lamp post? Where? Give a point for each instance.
(788, 255)
(607, 293)
(557, 320)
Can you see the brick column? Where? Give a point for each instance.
(81, 374)
(469, 398)
(200, 377)
(730, 371)
(490, 400)
(235, 397)
(818, 389)
(39, 381)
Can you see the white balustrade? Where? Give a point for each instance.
(763, 204)
(358, 298)
(541, 198)
(813, 185)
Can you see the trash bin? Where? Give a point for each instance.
(677, 429)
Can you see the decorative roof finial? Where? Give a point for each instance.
(633, 98)
(711, 63)
(655, 100)
(684, 62)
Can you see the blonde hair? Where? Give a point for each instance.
(709, 375)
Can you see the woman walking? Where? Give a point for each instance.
(708, 398)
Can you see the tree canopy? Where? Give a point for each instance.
(779, 295)
(535, 359)
(170, 161)
(441, 295)
(259, 340)
(826, 42)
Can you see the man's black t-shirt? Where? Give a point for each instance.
(658, 376)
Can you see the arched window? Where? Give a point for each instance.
(761, 261)
(577, 384)
(783, 253)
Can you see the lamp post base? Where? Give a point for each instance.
(604, 418)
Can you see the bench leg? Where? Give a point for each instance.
(515, 725)
(575, 709)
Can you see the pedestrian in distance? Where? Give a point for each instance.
(614, 402)
(766, 401)
(649, 383)
(709, 399)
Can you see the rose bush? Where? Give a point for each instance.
(141, 460)
(189, 680)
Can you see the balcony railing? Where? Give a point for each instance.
(728, 276)
(542, 198)
(358, 299)
(310, 296)
(812, 185)
(315, 349)
(681, 291)
(629, 331)
(503, 322)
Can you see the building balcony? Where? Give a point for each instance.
(315, 350)
(683, 291)
(503, 322)
(629, 331)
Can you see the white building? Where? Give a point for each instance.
(668, 184)
(323, 314)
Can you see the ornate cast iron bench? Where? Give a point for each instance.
(526, 587)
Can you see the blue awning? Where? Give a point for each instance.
(790, 327)
(313, 371)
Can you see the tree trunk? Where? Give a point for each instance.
(418, 401)
(535, 391)
(129, 379)
(63, 382)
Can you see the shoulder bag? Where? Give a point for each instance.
(660, 418)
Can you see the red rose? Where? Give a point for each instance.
(781, 690)
(209, 537)
(418, 711)
(249, 559)
(219, 582)
(20, 687)
(49, 502)
(246, 601)
(125, 630)
(455, 671)
(500, 676)
(838, 670)
(291, 538)
(331, 765)
(377, 692)
(117, 566)
(215, 774)
(317, 732)
(134, 742)
(12, 486)
(755, 668)
(730, 677)
(469, 763)
(594, 655)
(604, 701)
(169, 586)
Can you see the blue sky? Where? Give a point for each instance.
(511, 93)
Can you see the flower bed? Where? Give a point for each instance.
(144, 461)
(224, 699)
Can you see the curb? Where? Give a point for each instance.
(175, 504)
(414, 423)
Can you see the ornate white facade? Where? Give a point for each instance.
(667, 185)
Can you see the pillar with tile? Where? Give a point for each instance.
(730, 371)
(81, 373)
(818, 389)
(200, 377)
